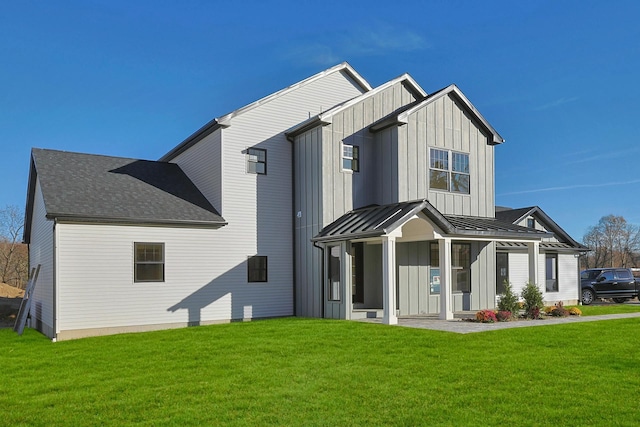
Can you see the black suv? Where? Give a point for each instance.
(615, 283)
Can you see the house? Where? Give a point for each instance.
(329, 198)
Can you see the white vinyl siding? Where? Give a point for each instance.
(41, 252)
(568, 282)
(202, 283)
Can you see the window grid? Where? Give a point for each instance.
(257, 269)
(257, 161)
(451, 176)
(149, 262)
(350, 158)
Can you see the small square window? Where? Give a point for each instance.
(257, 161)
(149, 262)
(257, 269)
(350, 158)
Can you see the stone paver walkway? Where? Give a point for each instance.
(461, 327)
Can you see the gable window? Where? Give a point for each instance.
(449, 171)
(551, 267)
(531, 223)
(350, 158)
(257, 269)
(257, 161)
(149, 262)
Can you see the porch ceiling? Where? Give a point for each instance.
(374, 221)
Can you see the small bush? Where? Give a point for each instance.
(575, 311)
(503, 315)
(548, 309)
(559, 310)
(486, 316)
(509, 300)
(532, 300)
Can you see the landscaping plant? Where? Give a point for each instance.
(509, 300)
(532, 300)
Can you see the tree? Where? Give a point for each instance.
(613, 243)
(14, 257)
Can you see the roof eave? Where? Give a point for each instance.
(64, 217)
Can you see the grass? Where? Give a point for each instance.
(598, 309)
(325, 373)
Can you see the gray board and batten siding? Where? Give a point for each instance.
(394, 167)
(323, 191)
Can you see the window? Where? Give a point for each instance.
(350, 158)
(461, 267)
(357, 273)
(449, 176)
(531, 223)
(257, 161)
(257, 269)
(149, 262)
(551, 272)
(334, 274)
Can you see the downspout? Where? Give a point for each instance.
(54, 277)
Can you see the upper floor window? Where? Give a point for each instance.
(449, 175)
(257, 161)
(531, 223)
(350, 158)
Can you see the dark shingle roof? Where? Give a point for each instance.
(94, 187)
(512, 215)
(517, 215)
(372, 221)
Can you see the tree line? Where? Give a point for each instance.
(613, 242)
(14, 255)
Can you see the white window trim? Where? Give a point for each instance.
(449, 171)
(354, 148)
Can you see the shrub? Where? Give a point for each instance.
(548, 309)
(575, 311)
(559, 310)
(509, 300)
(503, 315)
(532, 300)
(486, 316)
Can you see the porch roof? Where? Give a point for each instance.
(554, 246)
(374, 221)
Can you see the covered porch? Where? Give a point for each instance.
(408, 259)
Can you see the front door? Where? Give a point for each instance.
(502, 271)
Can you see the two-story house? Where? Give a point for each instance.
(329, 198)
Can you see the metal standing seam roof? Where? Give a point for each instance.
(374, 221)
(543, 245)
(88, 187)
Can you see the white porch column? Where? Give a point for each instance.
(389, 280)
(534, 257)
(444, 246)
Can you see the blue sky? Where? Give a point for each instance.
(557, 79)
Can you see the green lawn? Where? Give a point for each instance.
(322, 372)
(599, 308)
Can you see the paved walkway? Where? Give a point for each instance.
(461, 327)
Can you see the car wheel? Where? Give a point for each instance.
(588, 296)
(619, 300)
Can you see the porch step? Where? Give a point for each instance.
(366, 313)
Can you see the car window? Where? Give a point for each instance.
(608, 275)
(589, 274)
(623, 275)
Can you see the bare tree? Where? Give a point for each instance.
(613, 243)
(14, 258)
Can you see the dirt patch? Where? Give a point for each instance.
(10, 299)
(8, 291)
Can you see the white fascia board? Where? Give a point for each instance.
(226, 119)
(403, 78)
